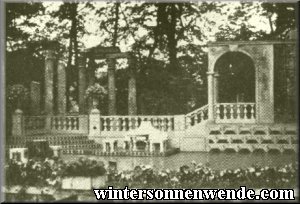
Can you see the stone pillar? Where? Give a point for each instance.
(132, 108)
(35, 97)
(216, 88)
(210, 87)
(82, 85)
(17, 123)
(61, 88)
(49, 88)
(94, 124)
(111, 86)
(91, 79)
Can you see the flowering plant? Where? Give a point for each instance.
(95, 91)
(17, 94)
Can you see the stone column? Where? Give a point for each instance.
(216, 88)
(61, 87)
(91, 79)
(210, 87)
(132, 108)
(17, 123)
(35, 97)
(111, 86)
(82, 85)
(49, 72)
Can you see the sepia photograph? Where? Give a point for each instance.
(126, 101)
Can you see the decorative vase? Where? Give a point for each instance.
(95, 102)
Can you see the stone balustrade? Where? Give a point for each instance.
(34, 124)
(196, 116)
(235, 112)
(126, 123)
(55, 124)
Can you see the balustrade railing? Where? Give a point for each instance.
(56, 124)
(235, 112)
(34, 124)
(126, 123)
(196, 116)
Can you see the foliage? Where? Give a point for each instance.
(167, 39)
(95, 91)
(84, 167)
(17, 94)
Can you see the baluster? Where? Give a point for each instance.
(58, 127)
(105, 124)
(231, 111)
(218, 112)
(252, 111)
(65, 123)
(238, 112)
(200, 117)
(130, 123)
(124, 124)
(62, 123)
(69, 123)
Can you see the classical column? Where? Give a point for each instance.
(61, 87)
(82, 85)
(132, 108)
(216, 88)
(210, 87)
(35, 97)
(91, 78)
(49, 72)
(111, 86)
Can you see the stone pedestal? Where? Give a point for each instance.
(82, 85)
(94, 124)
(111, 86)
(61, 88)
(132, 107)
(17, 123)
(49, 89)
(35, 97)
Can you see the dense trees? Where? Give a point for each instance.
(167, 39)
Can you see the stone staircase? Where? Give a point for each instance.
(252, 137)
(70, 144)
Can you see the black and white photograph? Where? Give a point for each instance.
(127, 101)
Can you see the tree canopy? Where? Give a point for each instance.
(167, 39)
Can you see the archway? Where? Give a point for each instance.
(236, 78)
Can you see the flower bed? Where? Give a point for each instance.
(200, 176)
(86, 174)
